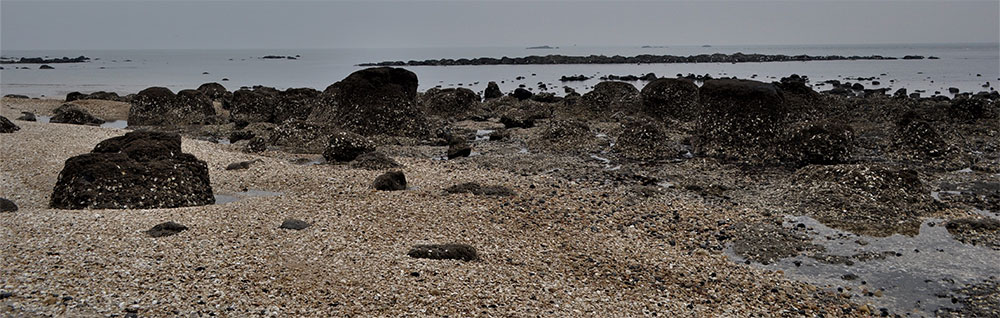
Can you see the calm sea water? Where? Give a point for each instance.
(129, 71)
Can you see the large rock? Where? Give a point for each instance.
(671, 98)
(521, 94)
(7, 205)
(140, 170)
(608, 98)
(492, 91)
(918, 139)
(6, 126)
(646, 140)
(374, 101)
(298, 136)
(253, 106)
(741, 120)
(345, 146)
(74, 115)
(158, 106)
(449, 103)
(214, 91)
(822, 143)
(390, 181)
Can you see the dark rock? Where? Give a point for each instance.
(460, 252)
(374, 101)
(492, 91)
(242, 165)
(166, 229)
(15, 96)
(27, 116)
(522, 94)
(857, 87)
(646, 140)
(390, 181)
(46, 67)
(900, 93)
(610, 97)
(461, 149)
(546, 98)
(374, 160)
(477, 189)
(919, 138)
(140, 170)
(72, 114)
(795, 84)
(742, 119)
(517, 120)
(158, 106)
(822, 143)
(293, 224)
(214, 91)
(670, 98)
(239, 135)
(298, 136)
(7, 205)
(256, 145)
(449, 102)
(973, 108)
(6, 126)
(345, 146)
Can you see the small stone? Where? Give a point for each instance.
(390, 181)
(293, 224)
(444, 251)
(7, 205)
(166, 229)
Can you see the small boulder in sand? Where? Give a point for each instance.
(460, 252)
(390, 181)
(293, 224)
(346, 146)
(6, 126)
(74, 115)
(460, 149)
(166, 229)
(242, 165)
(7, 205)
(477, 189)
(27, 116)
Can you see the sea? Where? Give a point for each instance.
(968, 67)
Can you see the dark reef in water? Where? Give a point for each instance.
(39, 60)
(638, 59)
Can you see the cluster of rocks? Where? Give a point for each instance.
(41, 60)
(158, 106)
(639, 59)
(629, 78)
(100, 95)
(70, 113)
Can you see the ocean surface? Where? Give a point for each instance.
(965, 66)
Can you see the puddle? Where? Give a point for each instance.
(223, 141)
(229, 198)
(43, 119)
(483, 134)
(119, 124)
(914, 278)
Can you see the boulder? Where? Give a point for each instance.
(565, 135)
(140, 170)
(253, 106)
(166, 229)
(646, 140)
(75, 96)
(795, 84)
(74, 115)
(459, 149)
(449, 103)
(158, 106)
(670, 98)
(973, 108)
(919, 139)
(374, 101)
(27, 116)
(742, 119)
(214, 91)
(293, 224)
(611, 97)
(492, 91)
(6, 126)
(390, 181)
(822, 143)
(15, 96)
(7, 205)
(521, 94)
(299, 136)
(460, 252)
(46, 67)
(345, 146)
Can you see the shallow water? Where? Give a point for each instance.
(119, 124)
(916, 278)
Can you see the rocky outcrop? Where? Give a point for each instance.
(449, 103)
(821, 143)
(74, 115)
(608, 98)
(742, 120)
(158, 106)
(6, 126)
(166, 229)
(344, 146)
(374, 101)
(646, 140)
(670, 98)
(266, 104)
(140, 170)
(214, 91)
(521, 94)
(639, 59)
(100, 95)
(492, 91)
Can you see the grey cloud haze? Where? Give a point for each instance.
(316, 24)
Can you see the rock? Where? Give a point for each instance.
(75, 96)
(670, 98)
(795, 84)
(345, 146)
(6, 126)
(46, 67)
(214, 91)
(237, 136)
(74, 115)
(242, 165)
(15, 96)
(293, 224)
(256, 145)
(521, 94)
(374, 101)
(646, 140)
(449, 103)
(919, 138)
(477, 189)
(298, 136)
(460, 149)
(517, 119)
(546, 98)
(390, 181)
(460, 252)
(27, 116)
(140, 170)
(973, 108)
(900, 93)
(976, 231)
(742, 119)
(857, 87)
(566, 135)
(492, 91)
(766, 242)
(611, 97)
(158, 106)
(7, 205)
(374, 160)
(166, 229)
(822, 143)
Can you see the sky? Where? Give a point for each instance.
(151, 24)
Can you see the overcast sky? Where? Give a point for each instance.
(85, 24)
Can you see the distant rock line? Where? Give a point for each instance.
(39, 60)
(638, 59)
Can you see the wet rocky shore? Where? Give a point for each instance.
(696, 197)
